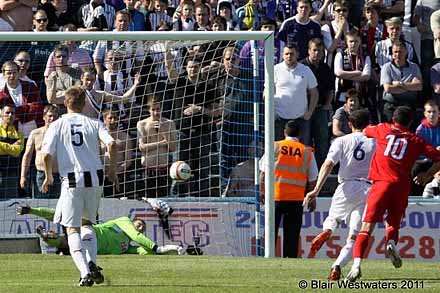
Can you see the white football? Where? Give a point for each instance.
(180, 171)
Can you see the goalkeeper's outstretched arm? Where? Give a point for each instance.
(166, 249)
(146, 245)
(46, 213)
(42, 212)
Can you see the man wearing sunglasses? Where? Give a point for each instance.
(40, 21)
(333, 33)
(57, 16)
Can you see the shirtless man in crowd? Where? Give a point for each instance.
(124, 151)
(157, 140)
(50, 114)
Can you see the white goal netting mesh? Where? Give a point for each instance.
(162, 101)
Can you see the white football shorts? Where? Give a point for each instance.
(348, 205)
(77, 203)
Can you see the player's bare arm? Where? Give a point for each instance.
(325, 170)
(311, 203)
(47, 159)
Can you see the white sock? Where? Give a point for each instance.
(78, 254)
(392, 242)
(357, 262)
(168, 249)
(88, 237)
(345, 254)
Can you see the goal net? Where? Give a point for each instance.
(164, 98)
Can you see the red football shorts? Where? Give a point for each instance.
(391, 197)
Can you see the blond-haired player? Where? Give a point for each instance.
(75, 139)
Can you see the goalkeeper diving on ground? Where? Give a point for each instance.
(117, 236)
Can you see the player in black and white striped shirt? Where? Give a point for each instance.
(75, 140)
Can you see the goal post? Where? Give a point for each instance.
(267, 37)
(269, 118)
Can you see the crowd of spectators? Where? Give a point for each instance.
(193, 102)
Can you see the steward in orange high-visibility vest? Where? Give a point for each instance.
(291, 168)
(295, 174)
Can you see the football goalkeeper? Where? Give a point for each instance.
(118, 236)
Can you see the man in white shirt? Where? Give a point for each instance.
(296, 94)
(353, 152)
(23, 60)
(75, 140)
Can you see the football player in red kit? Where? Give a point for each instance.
(397, 149)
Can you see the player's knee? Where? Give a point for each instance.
(368, 227)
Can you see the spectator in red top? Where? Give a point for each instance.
(397, 149)
(24, 95)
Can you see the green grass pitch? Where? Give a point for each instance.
(131, 273)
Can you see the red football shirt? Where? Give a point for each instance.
(397, 149)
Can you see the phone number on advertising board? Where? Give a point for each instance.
(409, 246)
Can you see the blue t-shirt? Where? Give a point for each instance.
(293, 32)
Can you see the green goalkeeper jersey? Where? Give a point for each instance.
(116, 236)
(119, 236)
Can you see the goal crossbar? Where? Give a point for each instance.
(133, 36)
